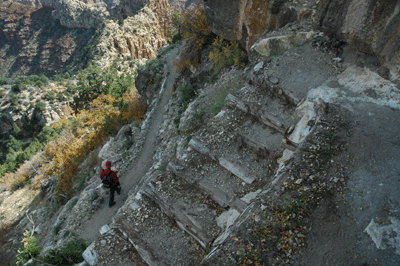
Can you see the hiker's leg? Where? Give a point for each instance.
(118, 188)
(111, 201)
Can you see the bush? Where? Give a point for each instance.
(51, 96)
(192, 24)
(13, 99)
(69, 254)
(40, 106)
(30, 249)
(3, 81)
(186, 94)
(18, 87)
(93, 81)
(226, 53)
(60, 97)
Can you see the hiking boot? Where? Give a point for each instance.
(112, 204)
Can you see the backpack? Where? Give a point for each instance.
(107, 180)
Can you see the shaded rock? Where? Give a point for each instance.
(240, 20)
(369, 26)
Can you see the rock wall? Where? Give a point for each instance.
(247, 20)
(371, 26)
(31, 42)
(136, 37)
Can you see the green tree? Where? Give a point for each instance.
(17, 130)
(92, 82)
(14, 144)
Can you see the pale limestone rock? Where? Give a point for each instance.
(275, 45)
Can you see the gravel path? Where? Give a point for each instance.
(138, 169)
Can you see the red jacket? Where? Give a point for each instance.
(113, 176)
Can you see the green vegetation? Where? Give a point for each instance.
(186, 94)
(93, 81)
(30, 249)
(13, 99)
(34, 80)
(226, 53)
(218, 102)
(3, 81)
(69, 254)
(16, 154)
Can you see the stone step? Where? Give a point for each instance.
(197, 146)
(222, 198)
(141, 246)
(232, 167)
(257, 147)
(234, 102)
(237, 170)
(183, 219)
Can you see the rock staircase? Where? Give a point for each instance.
(182, 216)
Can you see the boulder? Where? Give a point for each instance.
(276, 45)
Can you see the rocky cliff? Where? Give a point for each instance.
(47, 39)
(136, 37)
(32, 42)
(370, 26)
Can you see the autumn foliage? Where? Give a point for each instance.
(86, 132)
(192, 25)
(226, 53)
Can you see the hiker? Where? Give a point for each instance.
(114, 186)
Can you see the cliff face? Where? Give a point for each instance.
(371, 26)
(35, 40)
(247, 20)
(31, 42)
(136, 37)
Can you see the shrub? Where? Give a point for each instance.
(186, 94)
(218, 100)
(69, 254)
(85, 132)
(92, 82)
(40, 106)
(226, 53)
(60, 96)
(192, 24)
(51, 96)
(3, 81)
(30, 249)
(13, 99)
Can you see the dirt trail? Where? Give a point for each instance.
(138, 169)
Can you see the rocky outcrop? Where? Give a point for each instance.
(31, 42)
(32, 110)
(371, 26)
(77, 14)
(135, 37)
(247, 20)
